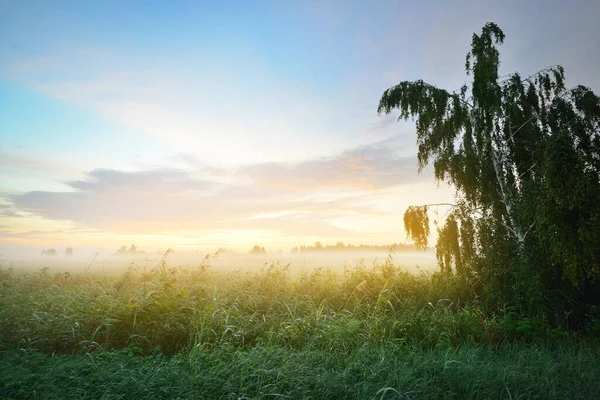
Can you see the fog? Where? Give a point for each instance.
(113, 264)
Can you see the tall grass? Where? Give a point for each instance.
(187, 310)
(372, 332)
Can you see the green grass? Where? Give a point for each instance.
(387, 372)
(373, 332)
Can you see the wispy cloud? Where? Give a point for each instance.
(206, 104)
(7, 211)
(159, 181)
(368, 167)
(299, 197)
(379, 126)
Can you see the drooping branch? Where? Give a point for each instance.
(416, 224)
(416, 221)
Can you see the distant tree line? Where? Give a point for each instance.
(123, 250)
(49, 252)
(53, 252)
(340, 246)
(258, 250)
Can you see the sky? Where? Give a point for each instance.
(206, 124)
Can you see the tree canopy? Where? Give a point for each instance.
(523, 154)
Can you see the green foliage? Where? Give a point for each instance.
(524, 157)
(416, 224)
(371, 332)
(177, 310)
(383, 372)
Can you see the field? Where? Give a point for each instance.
(369, 331)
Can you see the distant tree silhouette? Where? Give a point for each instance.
(132, 250)
(340, 246)
(258, 250)
(49, 252)
(69, 251)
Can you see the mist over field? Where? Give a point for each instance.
(111, 264)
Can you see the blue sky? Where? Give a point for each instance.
(201, 124)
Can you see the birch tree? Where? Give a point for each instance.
(524, 156)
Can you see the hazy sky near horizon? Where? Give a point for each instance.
(205, 124)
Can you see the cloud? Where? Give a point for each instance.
(206, 104)
(7, 211)
(301, 197)
(164, 180)
(368, 167)
(116, 199)
(379, 127)
(32, 234)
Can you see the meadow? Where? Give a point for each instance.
(372, 330)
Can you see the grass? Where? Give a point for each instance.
(373, 332)
(386, 372)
